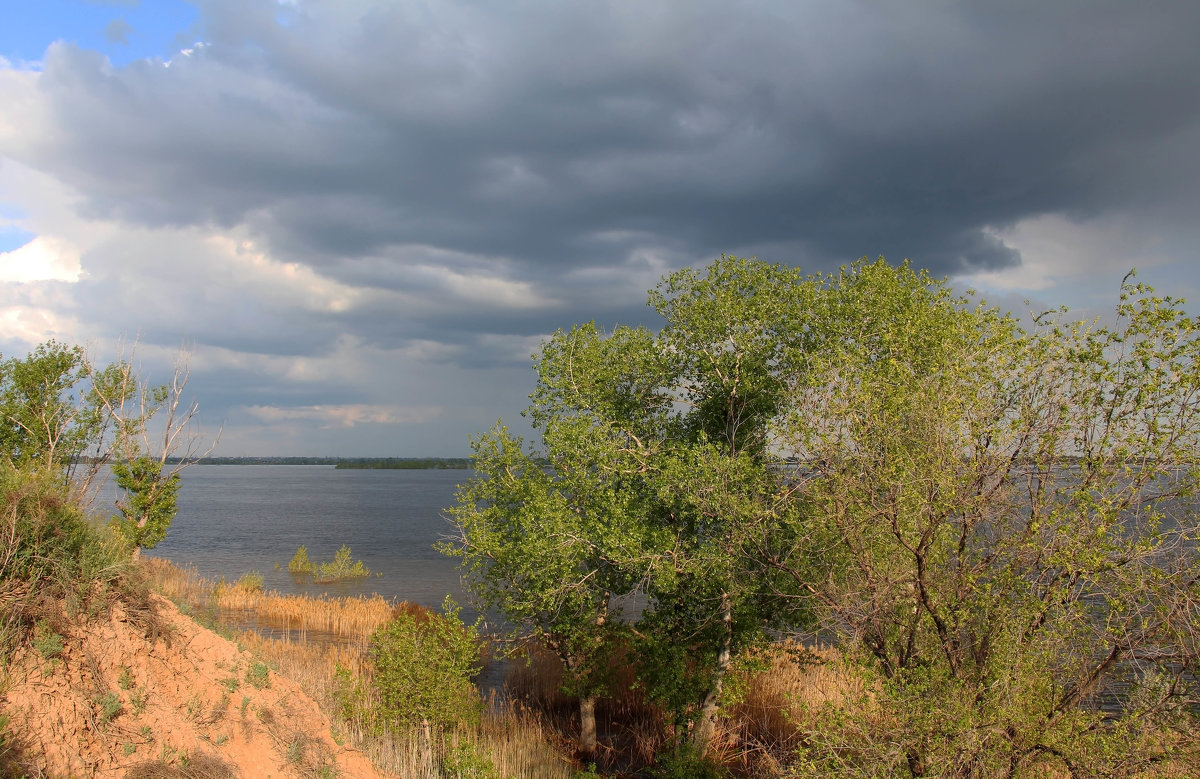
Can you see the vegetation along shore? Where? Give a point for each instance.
(987, 565)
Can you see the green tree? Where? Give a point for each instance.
(153, 441)
(1007, 522)
(526, 537)
(656, 481)
(47, 416)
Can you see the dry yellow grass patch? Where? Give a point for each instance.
(346, 617)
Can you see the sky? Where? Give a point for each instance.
(362, 217)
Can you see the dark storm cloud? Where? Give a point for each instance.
(542, 140)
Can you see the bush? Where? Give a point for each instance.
(300, 562)
(423, 670)
(49, 551)
(340, 568)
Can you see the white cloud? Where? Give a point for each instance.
(45, 258)
(1077, 262)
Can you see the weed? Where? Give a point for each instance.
(230, 684)
(258, 675)
(110, 706)
(137, 701)
(296, 749)
(466, 760)
(129, 748)
(245, 705)
(220, 739)
(125, 680)
(146, 733)
(48, 643)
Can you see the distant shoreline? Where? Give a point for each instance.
(391, 463)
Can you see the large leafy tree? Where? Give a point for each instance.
(1007, 520)
(657, 481)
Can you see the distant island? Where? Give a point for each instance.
(395, 463)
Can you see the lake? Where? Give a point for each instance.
(237, 518)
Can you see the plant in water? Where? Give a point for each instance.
(251, 581)
(300, 562)
(341, 567)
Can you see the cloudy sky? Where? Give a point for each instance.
(364, 215)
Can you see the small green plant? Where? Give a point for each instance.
(245, 705)
(48, 643)
(251, 581)
(125, 680)
(466, 761)
(129, 748)
(342, 567)
(145, 732)
(230, 683)
(137, 700)
(295, 750)
(300, 562)
(110, 706)
(258, 675)
(221, 739)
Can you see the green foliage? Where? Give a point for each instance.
(258, 675)
(686, 762)
(300, 562)
(467, 761)
(47, 642)
(251, 581)
(340, 568)
(423, 670)
(1015, 509)
(109, 705)
(47, 415)
(998, 521)
(150, 502)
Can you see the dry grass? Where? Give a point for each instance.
(355, 618)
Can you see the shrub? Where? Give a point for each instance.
(300, 562)
(340, 568)
(423, 669)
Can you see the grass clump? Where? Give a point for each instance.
(258, 675)
(251, 581)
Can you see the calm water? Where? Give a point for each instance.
(237, 518)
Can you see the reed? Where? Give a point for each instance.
(348, 617)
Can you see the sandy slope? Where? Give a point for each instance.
(186, 697)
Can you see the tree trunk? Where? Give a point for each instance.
(707, 724)
(587, 726)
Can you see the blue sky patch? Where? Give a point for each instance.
(123, 31)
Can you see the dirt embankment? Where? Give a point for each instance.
(158, 695)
